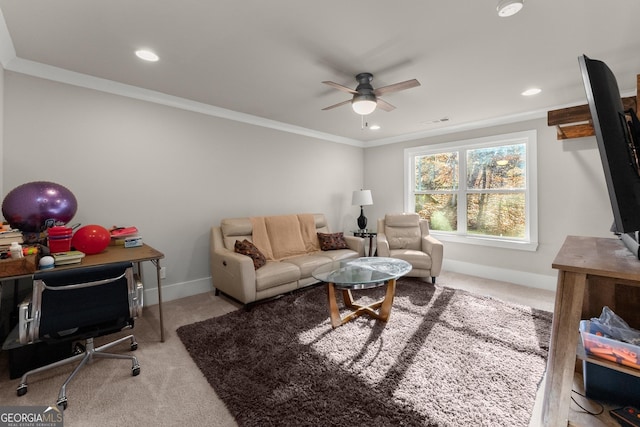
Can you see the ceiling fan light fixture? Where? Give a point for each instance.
(364, 104)
(509, 7)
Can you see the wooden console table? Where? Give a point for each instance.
(592, 272)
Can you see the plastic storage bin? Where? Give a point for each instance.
(597, 345)
(60, 239)
(603, 383)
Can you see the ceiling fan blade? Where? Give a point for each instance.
(396, 87)
(348, 101)
(340, 87)
(384, 105)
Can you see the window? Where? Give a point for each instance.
(479, 191)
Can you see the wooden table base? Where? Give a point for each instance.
(383, 306)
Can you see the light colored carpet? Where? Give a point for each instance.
(171, 390)
(445, 358)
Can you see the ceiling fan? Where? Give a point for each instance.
(365, 97)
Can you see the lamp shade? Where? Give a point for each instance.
(364, 104)
(361, 198)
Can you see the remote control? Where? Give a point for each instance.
(627, 416)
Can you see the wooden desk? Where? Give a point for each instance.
(114, 254)
(592, 272)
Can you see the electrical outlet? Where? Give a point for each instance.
(163, 272)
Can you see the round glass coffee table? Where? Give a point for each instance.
(361, 273)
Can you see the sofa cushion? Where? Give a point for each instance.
(417, 259)
(403, 230)
(236, 229)
(406, 219)
(340, 254)
(247, 248)
(332, 241)
(276, 273)
(404, 237)
(308, 263)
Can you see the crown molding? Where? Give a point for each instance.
(61, 75)
(11, 62)
(7, 51)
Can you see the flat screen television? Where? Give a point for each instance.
(618, 147)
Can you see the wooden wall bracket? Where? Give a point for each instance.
(575, 122)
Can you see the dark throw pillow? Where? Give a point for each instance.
(249, 249)
(330, 242)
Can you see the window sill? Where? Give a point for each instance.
(486, 241)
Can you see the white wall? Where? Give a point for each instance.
(2, 192)
(171, 173)
(174, 173)
(572, 200)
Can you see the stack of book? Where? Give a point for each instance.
(70, 257)
(125, 236)
(9, 236)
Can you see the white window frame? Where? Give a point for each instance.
(529, 138)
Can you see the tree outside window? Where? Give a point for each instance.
(436, 192)
(496, 191)
(474, 190)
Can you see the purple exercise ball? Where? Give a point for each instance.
(37, 205)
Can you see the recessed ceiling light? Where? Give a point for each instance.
(147, 55)
(531, 92)
(374, 127)
(509, 7)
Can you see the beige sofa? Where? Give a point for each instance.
(290, 246)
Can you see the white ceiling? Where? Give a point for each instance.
(267, 59)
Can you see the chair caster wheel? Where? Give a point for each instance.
(134, 346)
(22, 390)
(135, 371)
(62, 403)
(78, 349)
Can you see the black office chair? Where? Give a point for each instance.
(81, 304)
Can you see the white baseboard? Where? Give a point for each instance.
(178, 290)
(532, 280)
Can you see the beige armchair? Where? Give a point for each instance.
(406, 236)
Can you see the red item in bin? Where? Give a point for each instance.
(59, 231)
(123, 231)
(60, 239)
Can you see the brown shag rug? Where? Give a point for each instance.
(445, 358)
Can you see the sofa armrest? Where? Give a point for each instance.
(435, 249)
(355, 244)
(231, 272)
(382, 245)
